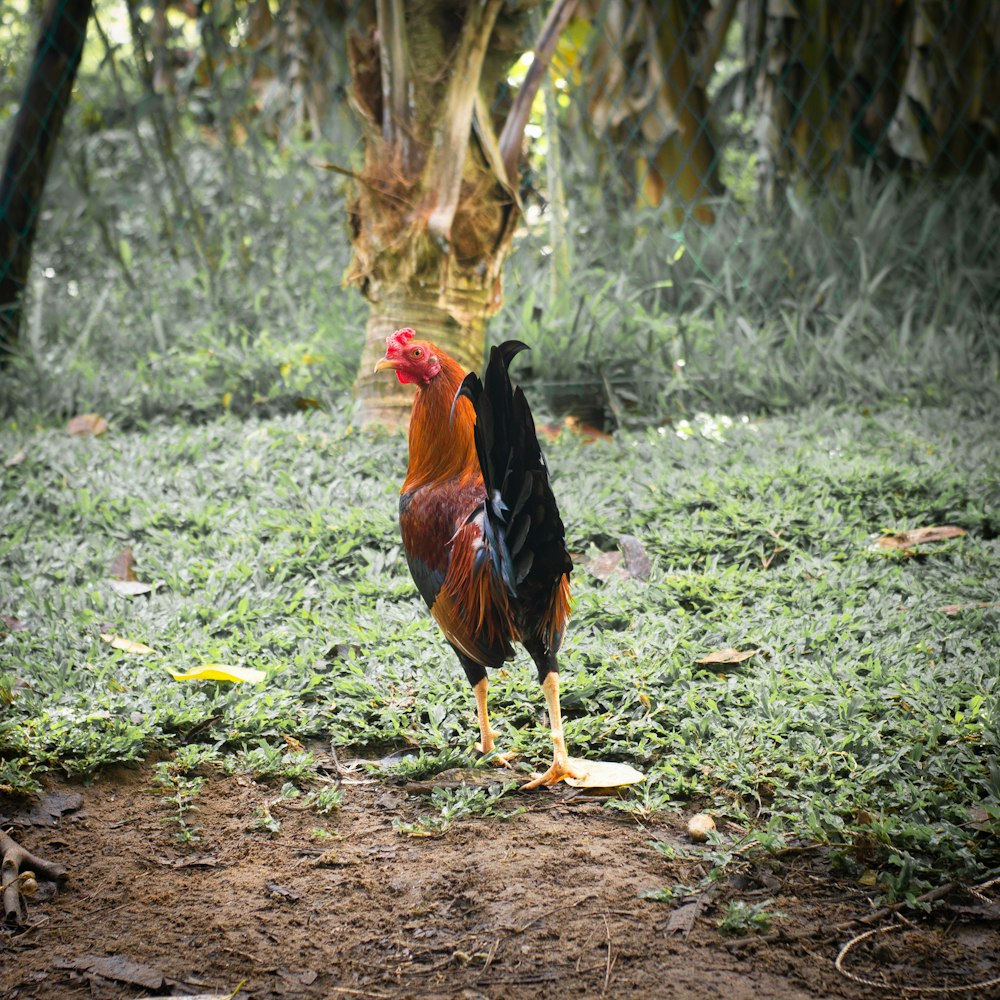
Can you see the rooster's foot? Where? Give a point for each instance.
(562, 767)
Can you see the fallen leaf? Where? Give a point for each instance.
(979, 819)
(197, 861)
(332, 859)
(231, 995)
(125, 645)
(46, 811)
(682, 919)
(87, 425)
(637, 562)
(281, 891)
(630, 562)
(221, 672)
(306, 978)
(603, 774)
(121, 565)
(907, 539)
(16, 459)
(13, 624)
(574, 425)
(728, 655)
(130, 588)
(586, 431)
(343, 651)
(116, 967)
(957, 609)
(605, 566)
(978, 909)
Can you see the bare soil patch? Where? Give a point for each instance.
(545, 904)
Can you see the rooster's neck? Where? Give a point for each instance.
(442, 445)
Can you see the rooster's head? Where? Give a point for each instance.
(413, 361)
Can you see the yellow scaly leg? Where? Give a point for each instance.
(561, 766)
(486, 731)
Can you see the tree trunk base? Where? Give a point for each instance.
(19, 872)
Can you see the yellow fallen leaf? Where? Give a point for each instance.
(87, 425)
(221, 672)
(728, 655)
(603, 774)
(125, 645)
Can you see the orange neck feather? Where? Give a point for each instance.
(441, 446)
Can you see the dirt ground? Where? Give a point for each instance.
(545, 904)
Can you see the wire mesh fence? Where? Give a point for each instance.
(744, 159)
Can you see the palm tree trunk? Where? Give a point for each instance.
(436, 204)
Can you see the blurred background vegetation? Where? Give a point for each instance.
(743, 205)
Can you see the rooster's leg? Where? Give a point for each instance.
(561, 766)
(486, 731)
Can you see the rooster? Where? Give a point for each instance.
(481, 530)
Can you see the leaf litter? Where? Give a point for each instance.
(126, 645)
(727, 656)
(907, 541)
(87, 425)
(220, 672)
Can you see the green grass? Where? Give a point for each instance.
(869, 719)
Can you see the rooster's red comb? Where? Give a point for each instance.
(398, 340)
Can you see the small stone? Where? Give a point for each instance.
(700, 826)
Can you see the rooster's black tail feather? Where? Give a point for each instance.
(525, 533)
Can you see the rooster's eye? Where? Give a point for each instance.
(416, 353)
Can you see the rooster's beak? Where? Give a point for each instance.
(384, 363)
